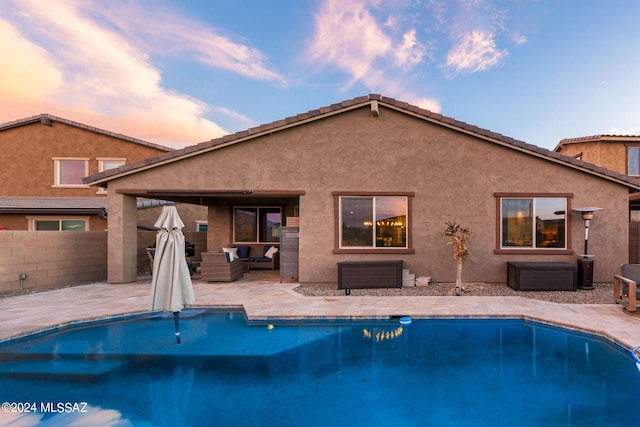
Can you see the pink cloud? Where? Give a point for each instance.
(78, 64)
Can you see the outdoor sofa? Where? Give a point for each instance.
(260, 257)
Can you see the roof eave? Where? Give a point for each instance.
(51, 211)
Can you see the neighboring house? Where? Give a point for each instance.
(616, 152)
(43, 162)
(373, 178)
(620, 153)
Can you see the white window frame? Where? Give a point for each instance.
(57, 170)
(102, 161)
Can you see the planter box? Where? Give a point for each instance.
(369, 274)
(542, 276)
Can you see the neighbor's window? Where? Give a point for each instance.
(633, 161)
(370, 222)
(256, 224)
(69, 172)
(106, 164)
(533, 222)
(59, 225)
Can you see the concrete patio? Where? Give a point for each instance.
(263, 297)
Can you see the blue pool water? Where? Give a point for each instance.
(226, 372)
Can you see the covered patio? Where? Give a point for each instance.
(220, 230)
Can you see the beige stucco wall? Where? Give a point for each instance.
(454, 177)
(608, 154)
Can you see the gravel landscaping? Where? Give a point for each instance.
(601, 294)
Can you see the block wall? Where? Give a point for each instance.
(52, 259)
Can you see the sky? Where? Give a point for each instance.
(181, 72)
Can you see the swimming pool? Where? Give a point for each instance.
(324, 373)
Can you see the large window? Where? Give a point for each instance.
(533, 222)
(42, 224)
(633, 161)
(256, 224)
(70, 171)
(373, 222)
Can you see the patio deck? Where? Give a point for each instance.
(263, 297)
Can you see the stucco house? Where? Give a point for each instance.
(373, 178)
(44, 160)
(620, 153)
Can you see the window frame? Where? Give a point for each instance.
(499, 249)
(258, 233)
(102, 161)
(57, 170)
(34, 219)
(628, 158)
(337, 249)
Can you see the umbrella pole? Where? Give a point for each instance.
(176, 321)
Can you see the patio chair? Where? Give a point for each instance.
(189, 251)
(216, 267)
(625, 287)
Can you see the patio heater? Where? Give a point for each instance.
(585, 262)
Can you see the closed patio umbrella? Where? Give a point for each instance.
(171, 287)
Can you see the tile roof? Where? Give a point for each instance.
(47, 119)
(595, 138)
(598, 138)
(65, 204)
(347, 105)
(52, 204)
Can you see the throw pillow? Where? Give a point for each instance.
(243, 251)
(233, 253)
(272, 250)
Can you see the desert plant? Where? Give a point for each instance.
(460, 237)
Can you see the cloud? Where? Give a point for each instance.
(473, 29)
(24, 62)
(474, 51)
(410, 52)
(634, 130)
(430, 104)
(80, 64)
(165, 32)
(348, 37)
(372, 45)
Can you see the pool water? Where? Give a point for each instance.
(484, 372)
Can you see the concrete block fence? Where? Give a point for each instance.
(51, 259)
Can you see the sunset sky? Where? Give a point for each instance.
(181, 72)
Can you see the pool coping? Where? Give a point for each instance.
(265, 299)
